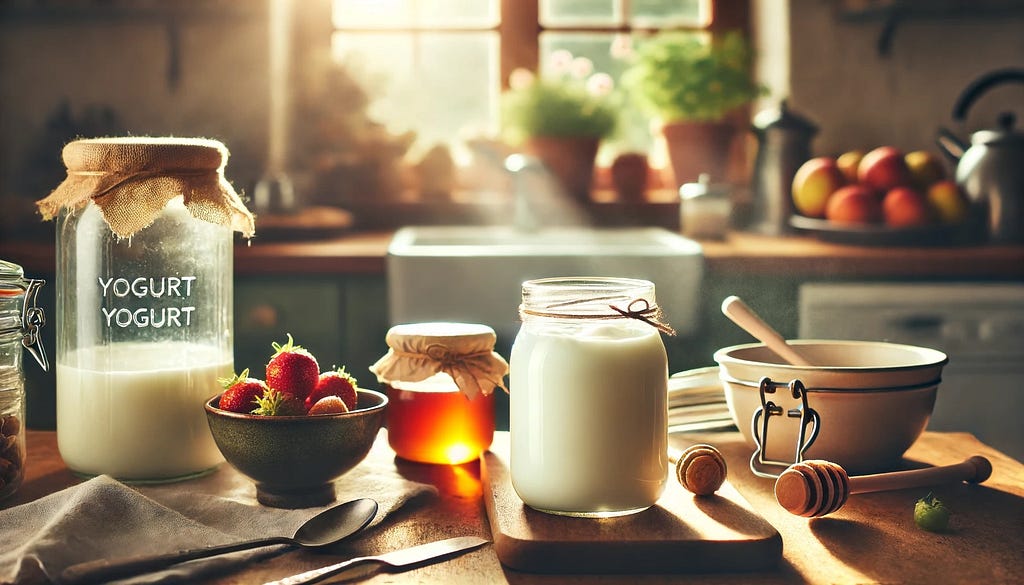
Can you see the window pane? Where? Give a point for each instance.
(458, 13)
(668, 13)
(405, 14)
(373, 13)
(409, 90)
(563, 13)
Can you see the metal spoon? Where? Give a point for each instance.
(735, 309)
(326, 528)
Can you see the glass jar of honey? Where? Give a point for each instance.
(440, 378)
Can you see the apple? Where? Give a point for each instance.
(925, 168)
(813, 184)
(906, 207)
(854, 204)
(848, 163)
(883, 169)
(948, 201)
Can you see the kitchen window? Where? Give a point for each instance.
(437, 67)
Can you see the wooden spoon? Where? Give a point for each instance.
(816, 487)
(735, 309)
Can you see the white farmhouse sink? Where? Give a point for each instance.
(475, 273)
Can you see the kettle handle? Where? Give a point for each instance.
(950, 144)
(979, 86)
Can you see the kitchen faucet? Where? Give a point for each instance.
(531, 181)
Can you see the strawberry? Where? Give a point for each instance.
(328, 405)
(334, 383)
(241, 392)
(275, 403)
(292, 370)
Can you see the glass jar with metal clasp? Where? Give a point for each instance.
(20, 323)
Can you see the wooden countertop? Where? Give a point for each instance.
(739, 253)
(871, 539)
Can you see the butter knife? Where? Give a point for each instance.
(396, 559)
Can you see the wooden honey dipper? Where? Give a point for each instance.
(816, 487)
(700, 468)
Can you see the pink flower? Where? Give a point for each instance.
(600, 84)
(520, 78)
(581, 67)
(622, 46)
(561, 61)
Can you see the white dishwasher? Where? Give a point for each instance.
(980, 326)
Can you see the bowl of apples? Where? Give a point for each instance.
(882, 197)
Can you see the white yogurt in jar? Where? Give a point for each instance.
(588, 408)
(135, 410)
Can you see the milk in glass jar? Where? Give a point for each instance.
(144, 303)
(588, 397)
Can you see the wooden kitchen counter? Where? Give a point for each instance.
(872, 539)
(739, 253)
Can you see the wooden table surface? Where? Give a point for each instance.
(872, 539)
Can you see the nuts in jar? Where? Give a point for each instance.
(12, 454)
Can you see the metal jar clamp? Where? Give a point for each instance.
(761, 422)
(19, 309)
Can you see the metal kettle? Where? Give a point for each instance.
(990, 170)
(783, 144)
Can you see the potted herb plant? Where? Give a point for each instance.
(561, 119)
(691, 86)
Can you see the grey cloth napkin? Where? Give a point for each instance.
(103, 518)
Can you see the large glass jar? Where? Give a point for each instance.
(144, 307)
(588, 397)
(440, 378)
(20, 324)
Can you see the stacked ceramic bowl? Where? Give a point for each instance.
(870, 401)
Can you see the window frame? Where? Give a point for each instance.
(519, 32)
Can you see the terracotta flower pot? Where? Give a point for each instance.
(570, 159)
(698, 147)
(629, 176)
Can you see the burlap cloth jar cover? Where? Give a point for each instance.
(464, 351)
(132, 179)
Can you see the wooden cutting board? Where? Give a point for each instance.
(682, 533)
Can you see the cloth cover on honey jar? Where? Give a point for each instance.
(132, 179)
(464, 351)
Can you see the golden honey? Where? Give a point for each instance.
(433, 422)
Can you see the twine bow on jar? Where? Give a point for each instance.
(640, 309)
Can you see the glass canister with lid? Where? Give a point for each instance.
(440, 378)
(589, 397)
(20, 323)
(144, 312)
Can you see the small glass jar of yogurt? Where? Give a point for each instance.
(588, 397)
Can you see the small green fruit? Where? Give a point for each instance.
(931, 514)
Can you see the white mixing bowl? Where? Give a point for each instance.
(873, 400)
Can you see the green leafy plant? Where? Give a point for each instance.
(571, 104)
(678, 76)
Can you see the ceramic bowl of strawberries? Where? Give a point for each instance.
(296, 432)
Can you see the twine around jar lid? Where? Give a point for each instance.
(464, 351)
(132, 179)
